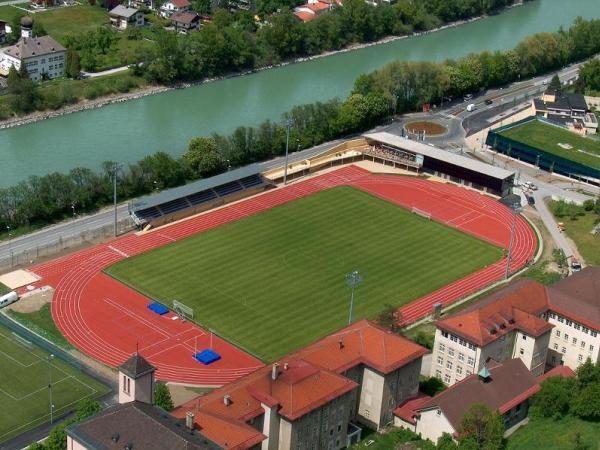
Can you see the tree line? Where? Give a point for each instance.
(397, 88)
(235, 41)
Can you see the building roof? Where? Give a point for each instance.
(29, 47)
(142, 425)
(136, 366)
(514, 307)
(305, 381)
(185, 17)
(565, 102)
(180, 3)
(578, 297)
(363, 342)
(407, 410)
(305, 16)
(441, 155)
(508, 385)
(318, 6)
(123, 11)
(558, 371)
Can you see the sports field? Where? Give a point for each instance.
(24, 379)
(547, 137)
(275, 281)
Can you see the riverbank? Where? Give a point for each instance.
(138, 93)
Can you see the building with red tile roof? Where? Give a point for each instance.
(313, 9)
(542, 325)
(312, 397)
(504, 387)
(174, 6)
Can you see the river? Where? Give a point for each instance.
(128, 131)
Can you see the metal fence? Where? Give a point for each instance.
(30, 256)
(74, 360)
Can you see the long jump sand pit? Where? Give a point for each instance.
(18, 278)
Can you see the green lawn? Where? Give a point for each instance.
(24, 393)
(42, 323)
(554, 434)
(9, 12)
(547, 137)
(275, 281)
(72, 20)
(4, 289)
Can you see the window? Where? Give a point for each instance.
(459, 370)
(468, 372)
(585, 330)
(576, 326)
(449, 365)
(440, 361)
(582, 344)
(564, 349)
(461, 357)
(445, 334)
(593, 333)
(521, 351)
(569, 323)
(524, 337)
(439, 412)
(566, 336)
(471, 346)
(557, 333)
(555, 346)
(591, 348)
(442, 348)
(450, 352)
(438, 374)
(471, 361)
(447, 379)
(574, 341)
(560, 319)
(579, 358)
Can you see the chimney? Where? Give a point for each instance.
(274, 370)
(189, 420)
(341, 344)
(286, 366)
(227, 399)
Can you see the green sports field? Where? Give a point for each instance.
(276, 281)
(24, 379)
(547, 137)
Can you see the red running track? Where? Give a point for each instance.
(108, 321)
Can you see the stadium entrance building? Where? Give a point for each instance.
(412, 155)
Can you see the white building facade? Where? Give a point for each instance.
(44, 58)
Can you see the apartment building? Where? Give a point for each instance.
(541, 325)
(43, 57)
(314, 398)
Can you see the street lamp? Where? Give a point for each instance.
(353, 280)
(115, 171)
(288, 124)
(50, 358)
(516, 209)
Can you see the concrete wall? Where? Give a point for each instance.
(399, 385)
(371, 397)
(74, 445)
(432, 424)
(501, 349)
(140, 389)
(532, 351)
(450, 349)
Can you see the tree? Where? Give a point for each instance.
(162, 397)
(587, 404)
(589, 75)
(87, 408)
(431, 386)
(73, 66)
(37, 446)
(446, 442)
(482, 425)
(553, 399)
(555, 85)
(387, 318)
(38, 29)
(202, 157)
(588, 373)
(23, 90)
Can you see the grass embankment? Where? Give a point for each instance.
(26, 370)
(276, 281)
(578, 226)
(547, 137)
(555, 434)
(41, 323)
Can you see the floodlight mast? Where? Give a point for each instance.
(353, 280)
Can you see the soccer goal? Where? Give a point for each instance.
(183, 311)
(421, 213)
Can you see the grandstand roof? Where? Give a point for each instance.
(168, 195)
(439, 154)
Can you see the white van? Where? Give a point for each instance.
(9, 298)
(471, 107)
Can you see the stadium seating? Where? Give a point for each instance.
(146, 215)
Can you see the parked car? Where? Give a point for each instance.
(468, 97)
(471, 107)
(489, 101)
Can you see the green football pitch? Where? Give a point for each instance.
(276, 281)
(548, 137)
(25, 373)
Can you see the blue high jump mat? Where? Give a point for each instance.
(158, 308)
(207, 356)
